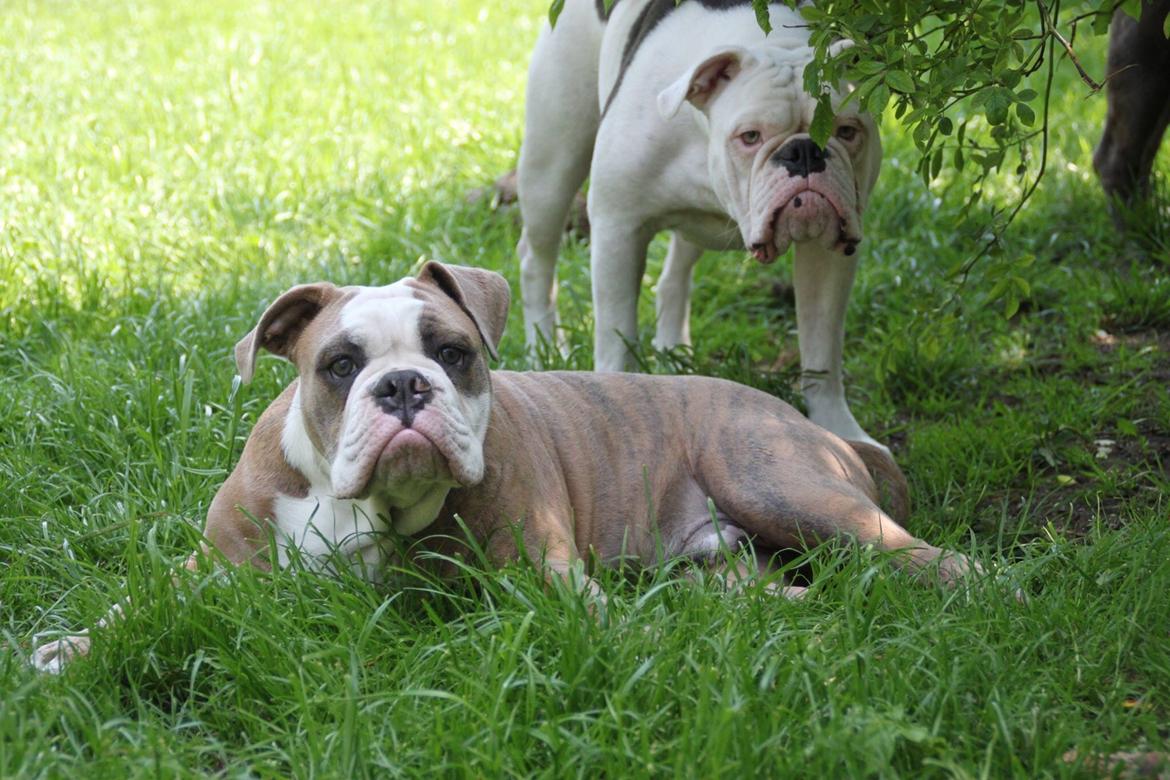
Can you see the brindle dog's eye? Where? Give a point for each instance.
(750, 138)
(846, 132)
(450, 355)
(342, 367)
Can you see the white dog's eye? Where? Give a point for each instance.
(846, 132)
(750, 138)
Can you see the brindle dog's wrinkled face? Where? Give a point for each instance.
(777, 184)
(394, 397)
(394, 393)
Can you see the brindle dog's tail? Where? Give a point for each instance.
(893, 491)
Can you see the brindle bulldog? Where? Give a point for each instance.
(396, 426)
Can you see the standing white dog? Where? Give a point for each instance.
(688, 118)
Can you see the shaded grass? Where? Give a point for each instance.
(168, 169)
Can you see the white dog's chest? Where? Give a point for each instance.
(710, 231)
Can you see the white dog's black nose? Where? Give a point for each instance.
(402, 394)
(801, 157)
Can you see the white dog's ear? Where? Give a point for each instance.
(701, 83)
(483, 295)
(282, 323)
(837, 47)
(869, 166)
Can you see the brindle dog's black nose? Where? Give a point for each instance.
(801, 157)
(403, 394)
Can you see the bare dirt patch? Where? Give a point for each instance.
(1131, 459)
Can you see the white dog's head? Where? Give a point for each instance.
(777, 184)
(394, 392)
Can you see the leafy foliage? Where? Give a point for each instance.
(971, 83)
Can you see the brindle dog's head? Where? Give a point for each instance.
(394, 392)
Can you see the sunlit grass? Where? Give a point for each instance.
(152, 145)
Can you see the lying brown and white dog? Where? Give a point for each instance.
(395, 426)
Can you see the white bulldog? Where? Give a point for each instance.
(688, 118)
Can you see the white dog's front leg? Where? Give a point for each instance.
(538, 293)
(560, 124)
(823, 279)
(674, 293)
(617, 261)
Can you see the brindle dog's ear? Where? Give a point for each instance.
(484, 295)
(282, 323)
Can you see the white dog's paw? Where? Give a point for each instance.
(52, 657)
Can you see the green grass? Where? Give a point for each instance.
(166, 169)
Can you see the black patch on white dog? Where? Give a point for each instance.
(654, 12)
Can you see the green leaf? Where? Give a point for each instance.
(1026, 114)
(1101, 21)
(762, 18)
(554, 11)
(810, 13)
(876, 102)
(822, 123)
(865, 23)
(920, 134)
(999, 288)
(1011, 305)
(945, 125)
(901, 81)
(996, 105)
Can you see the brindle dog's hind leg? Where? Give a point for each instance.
(804, 508)
(726, 552)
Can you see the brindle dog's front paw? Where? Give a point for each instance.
(954, 567)
(52, 657)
